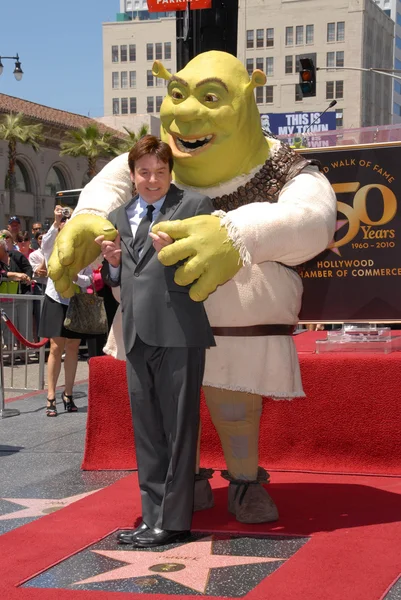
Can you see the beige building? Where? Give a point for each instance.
(272, 34)
(39, 175)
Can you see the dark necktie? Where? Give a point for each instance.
(143, 231)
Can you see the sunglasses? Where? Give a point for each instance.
(5, 237)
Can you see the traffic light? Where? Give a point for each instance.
(307, 77)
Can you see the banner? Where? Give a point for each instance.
(170, 5)
(358, 277)
(297, 123)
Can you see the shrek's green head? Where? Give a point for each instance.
(210, 119)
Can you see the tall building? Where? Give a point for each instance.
(392, 8)
(272, 36)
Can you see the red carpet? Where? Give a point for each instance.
(348, 423)
(353, 554)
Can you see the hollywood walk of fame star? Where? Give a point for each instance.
(37, 507)
(188, 564)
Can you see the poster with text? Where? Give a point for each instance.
(358, 277)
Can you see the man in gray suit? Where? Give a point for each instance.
(165, 336)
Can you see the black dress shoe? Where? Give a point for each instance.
(159, 537)
(128, 536)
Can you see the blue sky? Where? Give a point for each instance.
(60, 48)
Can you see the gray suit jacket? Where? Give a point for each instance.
(153, 306)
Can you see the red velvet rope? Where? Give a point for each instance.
(19, 336)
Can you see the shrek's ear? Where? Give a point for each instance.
(258, 78)
(159, 70)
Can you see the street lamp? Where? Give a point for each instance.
(18, 72)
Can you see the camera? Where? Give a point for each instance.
(66, 212)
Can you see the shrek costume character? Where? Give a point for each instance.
(274, 210)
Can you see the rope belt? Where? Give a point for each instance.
(254, 330)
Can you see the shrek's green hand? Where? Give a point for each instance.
(211, 258)
(75, 249)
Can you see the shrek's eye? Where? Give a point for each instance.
(177, 95)
(211, 98)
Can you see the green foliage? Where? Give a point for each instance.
(133, 138)
(14, 128)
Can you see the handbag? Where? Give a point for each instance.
(86, 314)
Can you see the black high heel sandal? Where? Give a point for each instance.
(68, 402)
(51, 410)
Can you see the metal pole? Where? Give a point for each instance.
(4, 412)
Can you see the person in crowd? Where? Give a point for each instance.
(14, 227)
(36, 228)
(38, 264)
(165, 335)
(15, 267)
(24, 243)
(6, 235)
(52, 326)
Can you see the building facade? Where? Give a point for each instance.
(39, 175)
(272, 36)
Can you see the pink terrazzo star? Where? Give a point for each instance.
(192, 562)
(37, 507)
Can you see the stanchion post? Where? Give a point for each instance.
(4, 412)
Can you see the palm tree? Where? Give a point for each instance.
(89, 142)
(133, 138)
(15, 129)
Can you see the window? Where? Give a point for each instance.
(259, 95)
(132, 106)
(339, 117)
(149, 79)
(114, 80)
(167, 50)
(299, 35)
(124, 106)
(149, 52)
(397, 109)
(249, 38)
(159, 82)
(159, 51)
(116, 106)
(270, 37)
(298, 93)
(397, 87)
(150, 105)
(114, 54)
(260, 38)
(124, 80)
(55, 182)
(159, 100)
(259, 63)
(398, 19)
(310, 34)
(330, 56)
(331, 32)
(123, 53)
(269, 94)
(249, 66)
(289, 36)
(340, 59)
(132, 52)
(288, 64)
(269, 66)
(340, 31)
(329, 90)
(132, 79)
(339, 89)
(397, 41)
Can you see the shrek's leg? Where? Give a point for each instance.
(236, 416)
(203, 495)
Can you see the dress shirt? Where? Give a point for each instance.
(135, 214)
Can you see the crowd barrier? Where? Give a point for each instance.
(24, 364)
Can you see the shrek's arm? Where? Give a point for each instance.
(75, 248)
(299, 226)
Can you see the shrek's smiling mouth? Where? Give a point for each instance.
(192, 144)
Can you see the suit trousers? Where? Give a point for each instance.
(164, 386)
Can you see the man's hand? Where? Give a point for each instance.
(160, 240)
(212, 258)
(75, 248)
(111, 251)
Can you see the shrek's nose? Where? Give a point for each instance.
(190, 110)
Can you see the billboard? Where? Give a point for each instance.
(171, 5)
(298, 123)
(356, 278)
